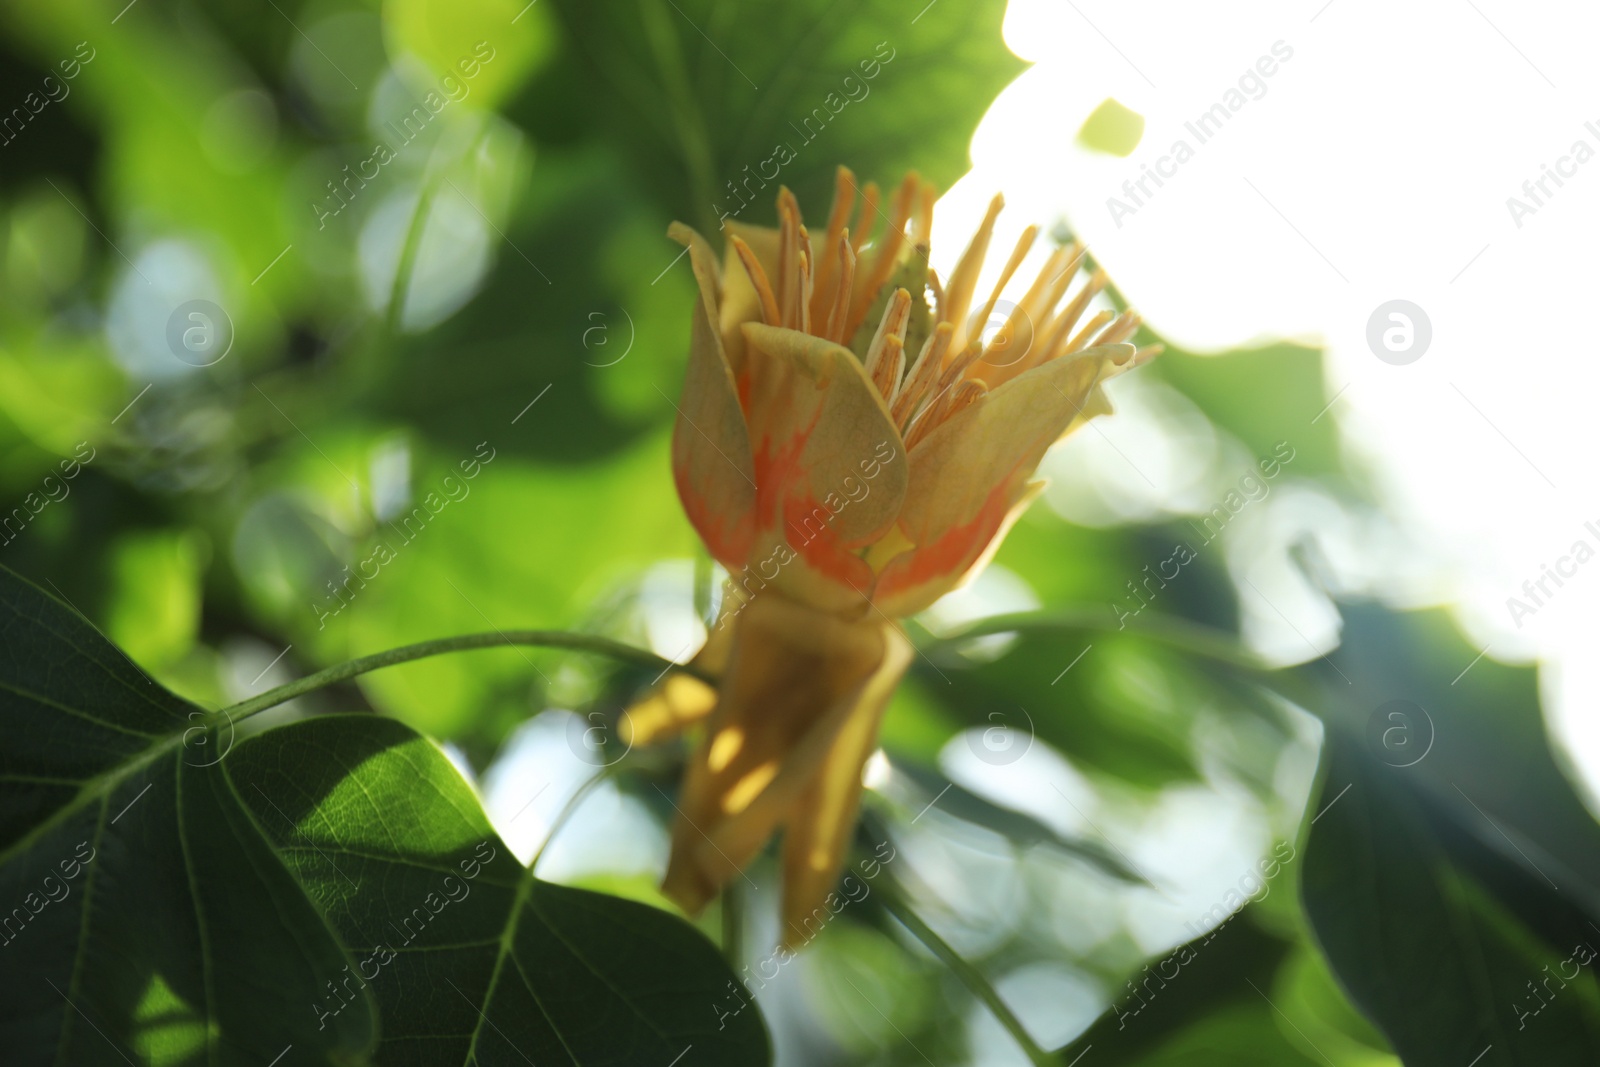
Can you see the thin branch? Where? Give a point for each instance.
(732, 907)
(579, 795)
(970, 976)
(1180, 634)
(600, 646)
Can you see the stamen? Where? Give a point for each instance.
(833, 328)
(893, 324)
(788, 254)
(844, 202)
(1024, 243)
(923, 422)
(758, 278)
(964, 394)
(924, 372)
(803, 304)
(938, 295)
(1125, 326)
(886, 254)
(1092, 327)
(967, 393)
(891, 364)
(948, 380)
(1062, 327)
(959, 366)
(869, 209)
(964, 278)
(1018, 330)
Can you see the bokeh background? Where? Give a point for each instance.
(264, 301)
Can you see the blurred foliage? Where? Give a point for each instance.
(432, 237)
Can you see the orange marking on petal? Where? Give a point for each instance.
(727, 536)
(808, 528)
(952, 552)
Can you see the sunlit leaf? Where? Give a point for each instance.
(721, 102)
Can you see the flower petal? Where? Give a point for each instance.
(711, 460)
(794, 678)
(820, 829)
(969, 477)
(681, 700)
(740, 304)
(913, 581)
(830, 467)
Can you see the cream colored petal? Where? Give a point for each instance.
(969, 474)
(830, 467)
(711, 459)
(914, 580)
(672, 707)
(681, 701)
(986, 444)
(824, 817)
(793, 678)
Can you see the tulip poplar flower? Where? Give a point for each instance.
(850, 451)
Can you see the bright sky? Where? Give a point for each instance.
(1374, 164)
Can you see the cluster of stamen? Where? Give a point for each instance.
(956, 365)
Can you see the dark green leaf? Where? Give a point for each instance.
(1228, 388)
(722, 102)
(1481, 749)
(471, 958)
(1426, 948)
(176, 899)
(144, 913)
(1175, 1006)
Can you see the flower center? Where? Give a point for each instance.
(835, 289)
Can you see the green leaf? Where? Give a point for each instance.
(1488, 755)
(177, 899)
(145, 913)
(1195, 998)
(474, 52)
(1227, 387)
(1423, 941)
(463, 574)
(471, 957)
(722, 102)
(1122, 710)
(1113, 128)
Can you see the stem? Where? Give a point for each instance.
(1180, 634)
(432, 176)
(1298, 685)
(500, 638)
(970, 976)
(570, 808)
(694, 139)
(733, 925)
(408, 256)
